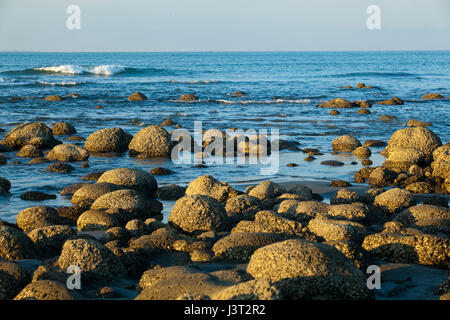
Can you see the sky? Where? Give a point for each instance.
(224, 25)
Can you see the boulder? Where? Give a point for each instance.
(392, 101)
(441, 162)
(170, 192)
(423, 140)
(188, 97)
(60, 167)
(137, 96)
(47, 290)
(63, 128)
(417, 123)
(307, 270)
(34, 133)
(54, 98)
(266, 190)
(243, 206)
(136, 179)
(153, 141)
(403, 159)
(49, 240)
(346, 143)
(37, 217)
(343, 196)
(422, 249)
(241, 245)
(12, 279)
(86, 195)
(381, 177)
(96, 220)
(302, 211)
(394, 200)
(95, 261)
(68, 153)
(362, 152)
(195, 213)
(108, 140)
(433, 96)
(15, 245)
(337, 230)
(261, 289)
(337, 103)
(129, 203)
(207, 185)
(30, 151)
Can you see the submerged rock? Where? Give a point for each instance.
(337, 103)
(108, 140)
(137, 96)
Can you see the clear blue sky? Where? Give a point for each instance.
(224, 25)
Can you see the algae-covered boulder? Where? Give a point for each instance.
(108, 140)
(209, 186)
(153, 141)
(127, 178)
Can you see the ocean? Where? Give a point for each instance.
(283, 90)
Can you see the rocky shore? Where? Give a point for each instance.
(270, 241)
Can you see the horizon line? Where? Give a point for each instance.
(222, 51)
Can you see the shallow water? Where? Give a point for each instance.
(282, 89)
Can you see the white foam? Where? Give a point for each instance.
(1, 79)
(62, 83)
(106, 69)
(194, 81)
(299, 101)
(67, 69)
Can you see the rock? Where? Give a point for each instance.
(286, 145)
(423, 140)
(63, 128)
(357, 212)
(95, 220)
(266, 190)
(332, 163)
(415, 215)
(70, 190)
(243, 206)
(354, 252)
(340, 183)
(420, 187)
(381, 177)
(131, 179)
(34, 133)
(170, 192)
(30, 151)
(167, 123)
(128, 203)
(49, 240)
(161, 171)
(75, 138)
(363, 104)
(173, 282)
(15, 245)
(417, 123)
(36, 196)
(188, 97)
(137, 228)
(194, 213)
(261, 289)
(240, 246)
(374, 143)
(362, 152)
(86, 195)
(302, 269)
(334, 113)
(37, 217)
(68, 153)
(345, 143)
(336, 230)
(69, 215)
(153, 141)
(419, 249)
(137, 96)
(337, 103)
(12, 279)
(239, 94)
(5, 184)
(441, 162)
(363, 111)
(388, 118)
(95, 261)
(108, 140)
(433, 96)
(209, 186)
(267, 221)
(392, 101)
(403, 159)
(302, 211)
(3, 159)
(38, 161)
(394, 200)
(343, 196)
(93, 176)
(54, 98)
(47, 290)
